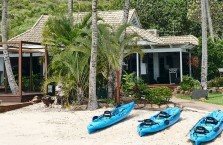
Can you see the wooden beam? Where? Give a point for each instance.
(10, 42)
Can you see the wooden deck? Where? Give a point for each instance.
(8, 106)
(171, 86)
(26, 97)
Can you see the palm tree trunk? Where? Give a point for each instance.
(80, 95)
(11, 79)
(111, 84)
(124, 21)
(70, 9)
(92, 103)
(209, 20)
(204, 68)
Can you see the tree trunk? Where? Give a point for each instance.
(204, 46)
(118, 87)
(92, 103)
(210, 26)
(70, 9)
(111, 84)
(11, 79)
(124, 21)
(80, 95)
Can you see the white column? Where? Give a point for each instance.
(137, 64)
(190, 64)
(156, 72)
(181, 66)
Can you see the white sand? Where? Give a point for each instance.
(37, 125)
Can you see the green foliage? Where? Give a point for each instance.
(159, 95)
(133, 86)
(189, 84)
(37, 81)
(215, 58)
(216, 82)
(194, 13)
(168, 16)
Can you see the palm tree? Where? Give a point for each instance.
(70, 9)
(110, 47)
(209, 20)
(11, 79)
(72, 70)
(119, 72)
(92, 103)
(204, 68)
(68, 67)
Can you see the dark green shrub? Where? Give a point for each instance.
(216, 82)
(133, 86)
(158, 95)
(189, 84)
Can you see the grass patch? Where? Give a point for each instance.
(212, 98)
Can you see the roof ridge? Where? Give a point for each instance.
(158, 40)
(37, 21)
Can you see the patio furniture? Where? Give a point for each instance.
(172, 75)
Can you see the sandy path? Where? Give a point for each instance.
(37, 125)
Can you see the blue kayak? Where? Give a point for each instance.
(110, 117)
(159, 121)
(208, 128)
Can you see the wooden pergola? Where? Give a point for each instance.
(21, 47)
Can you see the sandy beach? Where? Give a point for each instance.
(37, 125)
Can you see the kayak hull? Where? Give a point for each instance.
(213, 130)
(103, 122)
(162, 123)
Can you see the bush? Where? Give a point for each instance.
(133, 86)
(159, 95)
(189, 84)
(216, 82)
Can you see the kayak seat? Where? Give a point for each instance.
(149, 122)
(201, 130)
(163, 114)
(211, 120)
(107, 114)
(94, 118)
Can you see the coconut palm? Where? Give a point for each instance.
(92, 102)
(72, 70)
(204, 68)
(210, 26)
(110, 47)
(68, 67)
(59, 33)
(11, 79)
(70, 9)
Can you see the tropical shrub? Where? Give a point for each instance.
(216, 82)
(189, 84)
(133, 86)
(158, 95)
(215, 58)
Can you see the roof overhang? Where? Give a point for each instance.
(27, 47)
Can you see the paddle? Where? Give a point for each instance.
(194, 126)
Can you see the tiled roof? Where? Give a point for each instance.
(35, 33)
(180, 39)
(113, 18)
(144, 34)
